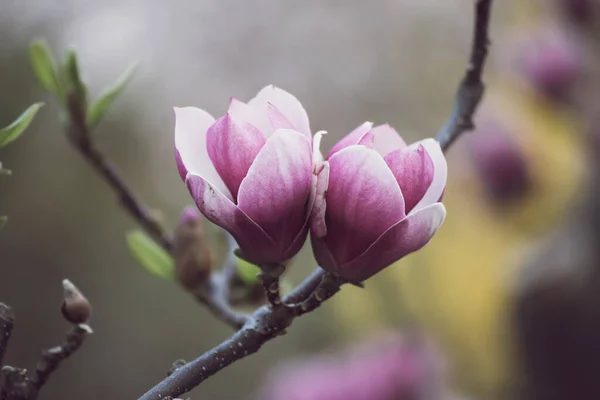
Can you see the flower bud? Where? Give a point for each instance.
(75, 307)
(193, 258)
(500, 163)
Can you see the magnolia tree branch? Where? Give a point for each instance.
(471, 88)
(80, 137)
(214, 294)
(7, 321)
(271, 321)
(16, 383)
(53, 357)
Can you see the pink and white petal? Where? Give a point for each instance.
(317, 155)
(386, 139)
(322, 254)
(285, 102)
(254, 242)
(407, 236)
(358, 135)
(440, 175)
(300, 238)
(277, 119)
(317, 218)
(277, 188)
(413, 169)
(242, 112)
(191, 153)
(232, 147)
(363, 201)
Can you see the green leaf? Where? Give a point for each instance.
(246, 271)
(3, 221)
(72, 79)
(44, 67)
(110, 94)
(14, 130)
(150, 255)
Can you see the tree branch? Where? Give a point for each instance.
(269, 322)
(15, 383)
(215, 293)
(80, 137)
(7, 321)
(471, 89)
(53, 357)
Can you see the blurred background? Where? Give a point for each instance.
(394, 61)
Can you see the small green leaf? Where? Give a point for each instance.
(14, 130)
(44, 67)
(3, 221)
(5, 172)
(110, 94)
(71, 78)
(246, 271)
(150, 255)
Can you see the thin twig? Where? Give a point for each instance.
(215, 293)
(80, 137)
(7, 321)
(53, 357)
(471, 89)
(269, 322)
(269, 278)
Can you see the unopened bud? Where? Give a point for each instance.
(193, 258)
(552, 63)
(500, 163)
(75, 307)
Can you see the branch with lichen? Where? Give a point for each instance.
(271, 321)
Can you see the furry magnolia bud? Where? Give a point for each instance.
(193, 258)
(75, 307)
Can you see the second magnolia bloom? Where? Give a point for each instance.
(377, 200)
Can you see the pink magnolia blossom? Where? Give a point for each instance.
(377, 200)
(251, 171)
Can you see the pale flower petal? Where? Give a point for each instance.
(286, 103)
(440, 173)
(358, 135)
(191, 126)
(386, 139)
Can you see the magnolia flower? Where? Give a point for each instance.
(251, 171)
(377, 200)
